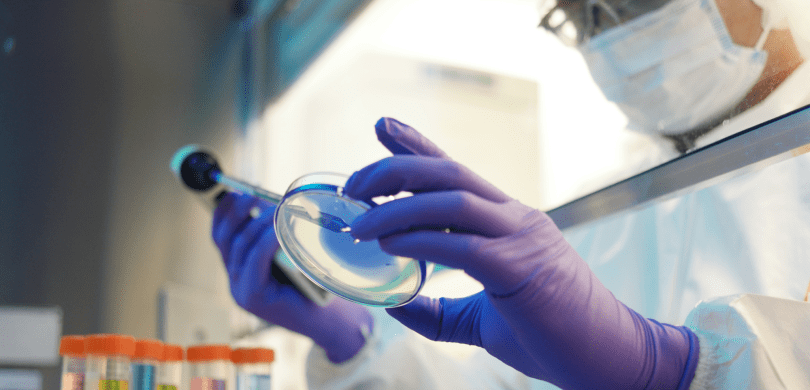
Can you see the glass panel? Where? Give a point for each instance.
(746, 234)
(771, 142)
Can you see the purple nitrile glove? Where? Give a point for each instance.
(402, 139)
(542, 310)
(247, 246)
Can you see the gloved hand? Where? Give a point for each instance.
(542, 310)
(247, 245)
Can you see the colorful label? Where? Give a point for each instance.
(72, 381)
(207, 384)
(105, 384)
(166, 387)
(252, 382)
(143, 377)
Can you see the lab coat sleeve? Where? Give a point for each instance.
(752, 342)
(395, 357)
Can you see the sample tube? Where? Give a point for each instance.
(170, 369)
(144, 364)
(252, 368)
(108, 365)
(72, 350)
(209, 367)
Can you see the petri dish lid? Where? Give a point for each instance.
(311, 223)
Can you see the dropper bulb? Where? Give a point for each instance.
(194, 167)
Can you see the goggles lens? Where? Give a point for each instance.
(576, 21)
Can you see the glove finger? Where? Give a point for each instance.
(400, 138)
(494, 262)
(249, 238)
(258, 260)
(418, 174)
(452, 250)
(230, 222)
(443, 319)
(223, 209)
(459, 211)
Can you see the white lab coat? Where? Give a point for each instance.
(741, 347)
(750, 234)
(752, 342)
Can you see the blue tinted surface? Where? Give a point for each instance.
(252, 382)
(143, 377)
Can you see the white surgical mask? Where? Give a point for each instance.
(674, 69)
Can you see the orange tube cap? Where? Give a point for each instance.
(148, 349)
(109, 344)
(253, 355)
(203, 353)
(71, 346)
(173, 353)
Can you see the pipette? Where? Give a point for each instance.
(324, 220)
(200, 171)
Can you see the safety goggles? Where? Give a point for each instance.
(576, 21)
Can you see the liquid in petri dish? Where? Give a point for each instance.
(360, 264)
(325, 250)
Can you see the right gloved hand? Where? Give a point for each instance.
(247, 246)
(542, 310)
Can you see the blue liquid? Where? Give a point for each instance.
(143, 377)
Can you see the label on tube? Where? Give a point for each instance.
(253, 382)
(207, 384)
(105, 384)
(72, 381)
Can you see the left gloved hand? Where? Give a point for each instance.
(542, 310)
(247, 245)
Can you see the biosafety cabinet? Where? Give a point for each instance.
(97, 235)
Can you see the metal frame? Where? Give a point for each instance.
(776, 140)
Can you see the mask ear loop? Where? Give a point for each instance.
(806, 294)
(764, 36)
(686, 141)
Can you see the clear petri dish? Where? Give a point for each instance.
(312, 227)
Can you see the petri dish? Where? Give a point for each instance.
(311, 225)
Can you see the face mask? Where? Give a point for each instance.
(674, 69)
